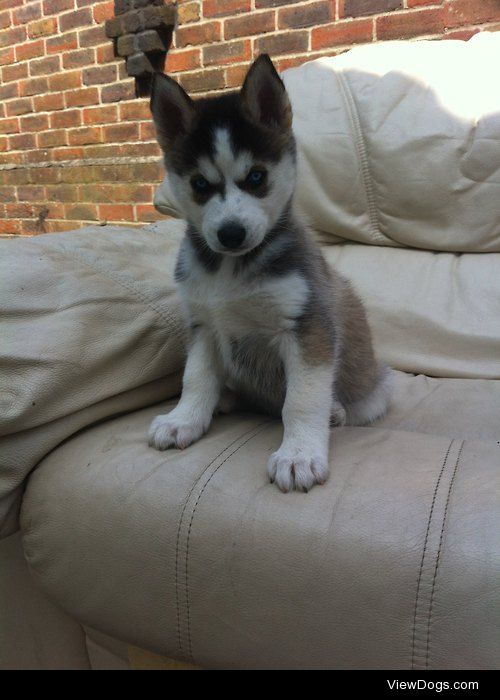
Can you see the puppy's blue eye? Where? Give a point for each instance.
(200, 184)
(255, 177)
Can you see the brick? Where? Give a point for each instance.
(35, 122)
(67, 80)
(356, 8)
(62, 193)
(116, 212)
(45, 176)
(218, 8)
(33, 86)
(7, 56)
(55, 7)
(193, 35)
(147, 131)
(44, 66)
(344, 32)
(139, 65)
(72, 20)
(16, 107)
(306, 15)
(92, 36)
(100, 115)
(461, 34)
(232, 52)
(103, 11)
(54, 137)
(105, 54)
(270, 3)
(7, 193)
(77, 59)
(66, 118)
(48, 103)
(88, 134)
(30, 193)
(5, 20)
(126, 45)
(22, 142)
(26, 14)
(121, 132)
(461, 12)
(16, 35)
(9, 226)
(183, 60)
(118, 92)
(42, 27)
(63, 43)
(403, 25)
(420, 3)
(135, 111)
(9, 91)
(99, 75)
(146, 213)
(39, 155)
(286, 42)
(67, 153)
(152, 40)
(235, 75)
(249, 25)
(84, 212)
(15, 72)
(81, 98)
(190, 12)
(203, 81)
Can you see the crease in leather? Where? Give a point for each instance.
(184, 640)
(429, 564)
(114, 278)
(359, 140)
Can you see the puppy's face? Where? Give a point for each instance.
(230, 159)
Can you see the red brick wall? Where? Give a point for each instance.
(77, 147)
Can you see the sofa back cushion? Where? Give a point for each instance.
(399, 144)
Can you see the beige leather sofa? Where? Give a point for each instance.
(128, 557)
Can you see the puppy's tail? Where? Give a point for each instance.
(375, 405)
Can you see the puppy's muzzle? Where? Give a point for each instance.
(231, 235)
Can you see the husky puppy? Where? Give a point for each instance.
(271, 325)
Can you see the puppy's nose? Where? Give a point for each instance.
(231, 235)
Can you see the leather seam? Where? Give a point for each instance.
(361, 150)
(438, 558)
(188, 654)
(424, 551)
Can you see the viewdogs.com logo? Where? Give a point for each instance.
(437, 686)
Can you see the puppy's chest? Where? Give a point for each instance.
(234, 308)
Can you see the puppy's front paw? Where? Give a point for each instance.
(172, 431)
(296, 469)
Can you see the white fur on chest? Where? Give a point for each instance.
(236, 306)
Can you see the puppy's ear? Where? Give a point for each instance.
(172, 109)
(264, 95)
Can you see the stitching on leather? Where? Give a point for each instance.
(359, 140)
(164, 315)
(181, 518)
(431, 604)
(426, 540)
(188, 626)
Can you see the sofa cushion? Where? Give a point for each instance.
(193, 554)
(399, 144)
(430, 313)
(90, 324)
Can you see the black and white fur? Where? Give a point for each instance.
(272, 327)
